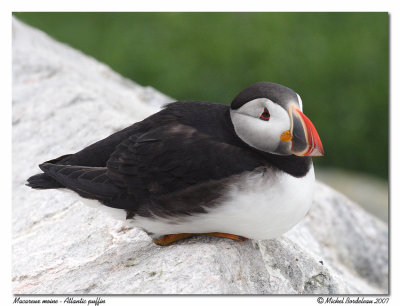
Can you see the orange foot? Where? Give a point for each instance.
(168, 239)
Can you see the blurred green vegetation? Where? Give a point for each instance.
(337, 62)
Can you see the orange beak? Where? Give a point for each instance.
(305, 139)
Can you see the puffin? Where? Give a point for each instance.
(239, 171)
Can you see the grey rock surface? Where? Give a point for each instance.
(63, 101)
(370, 192)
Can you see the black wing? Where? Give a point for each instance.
(175, 167)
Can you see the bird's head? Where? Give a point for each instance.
(269, 117)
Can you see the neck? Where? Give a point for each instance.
(297, 166)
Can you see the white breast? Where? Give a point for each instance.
(257, 206)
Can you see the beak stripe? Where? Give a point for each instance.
(314, 142)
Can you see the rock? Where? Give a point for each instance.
(63, 101)
(370, 192)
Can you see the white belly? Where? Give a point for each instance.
(257, 206)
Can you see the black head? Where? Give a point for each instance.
(277, 93)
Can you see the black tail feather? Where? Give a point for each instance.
(43, 181)
(88, 182)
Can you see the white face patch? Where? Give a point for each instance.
(260, 134)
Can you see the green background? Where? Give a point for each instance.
(337, 62)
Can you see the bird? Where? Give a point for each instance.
(240, 171)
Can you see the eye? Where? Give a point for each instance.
(265, 115)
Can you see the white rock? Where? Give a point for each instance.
(63, 101)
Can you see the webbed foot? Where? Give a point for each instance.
(171, 238)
